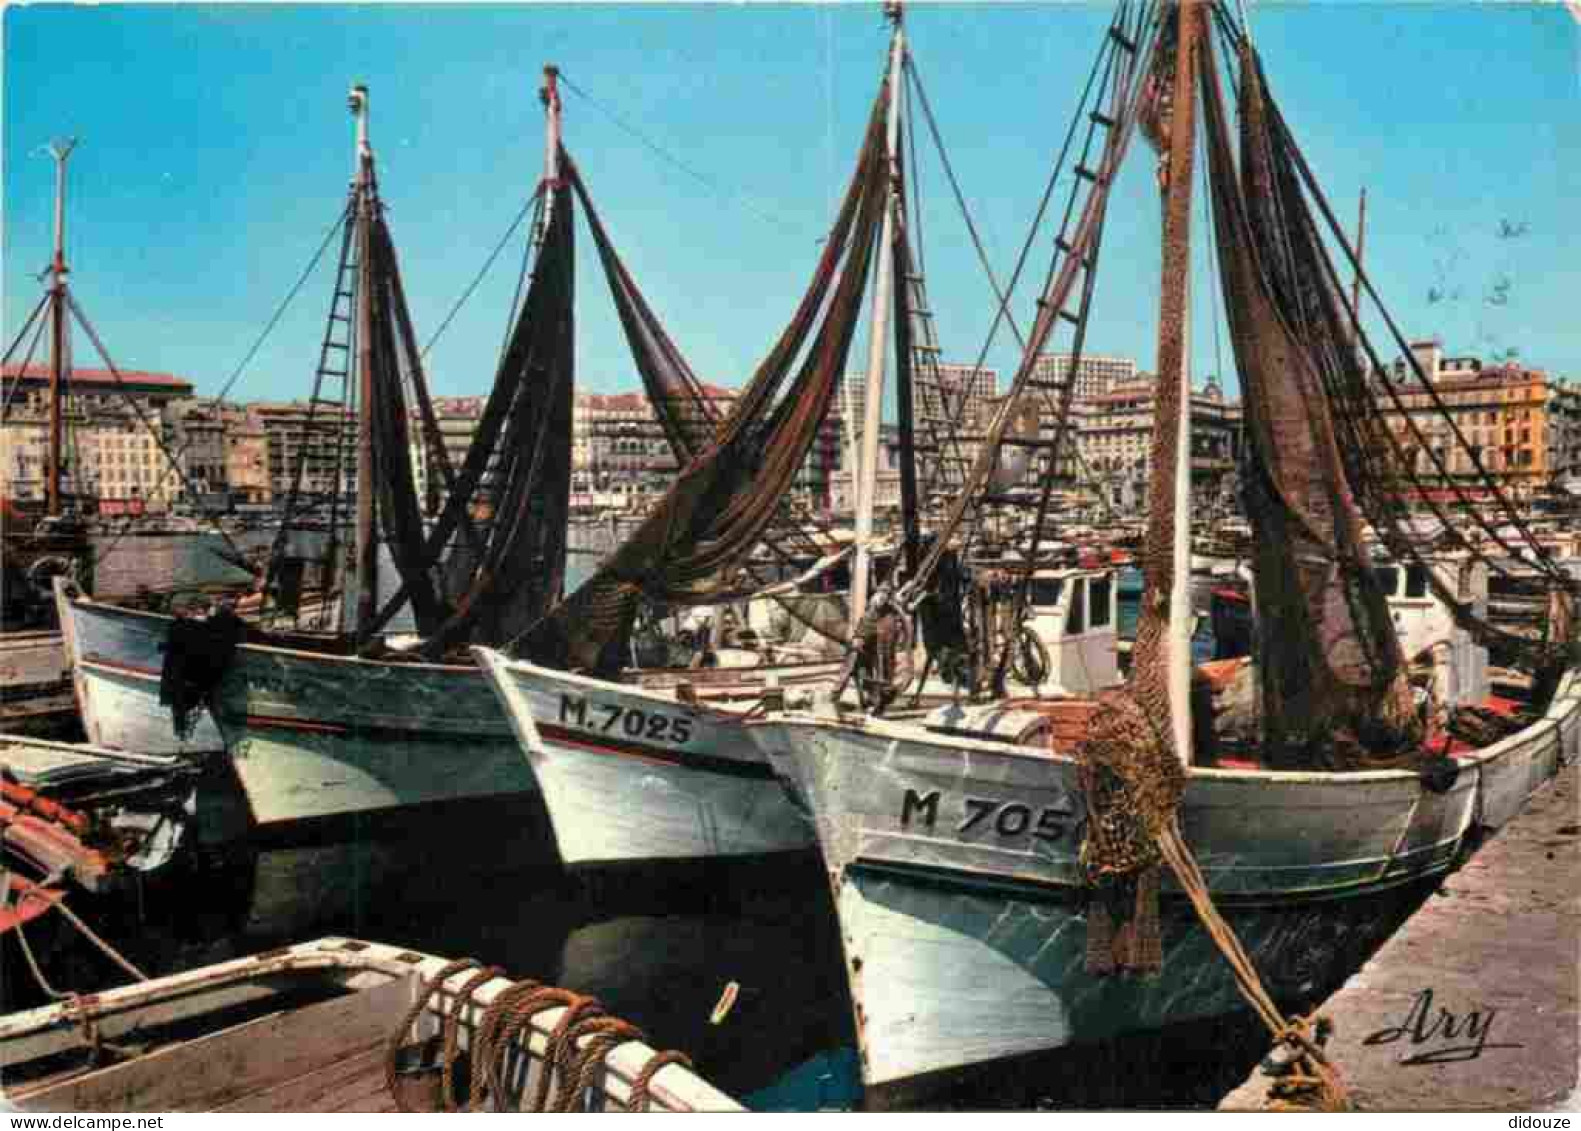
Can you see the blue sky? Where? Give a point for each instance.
(215, 149)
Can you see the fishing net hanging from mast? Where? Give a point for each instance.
(1332, 677)
(1124, 57)
(1364, 396)
(689, 418)
(691, 544)
(513, 488)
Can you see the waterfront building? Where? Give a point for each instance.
(222, 451)
(619, 452)
(1095, 375)
(112, 432)
(1115, 436)
(1524, 425)
(319, 441)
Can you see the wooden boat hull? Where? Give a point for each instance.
(631, 774)
(31, 660)
(116, 656)
(954, 865)
(310, 735)
(94, 816)
(300, 1029)
(315, 736)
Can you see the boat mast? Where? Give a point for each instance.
(867, 466)
(59, 330)
(367, 547)
(549, 95)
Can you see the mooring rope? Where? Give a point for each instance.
(1312, 1082)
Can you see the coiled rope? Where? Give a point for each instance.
(572, 1059)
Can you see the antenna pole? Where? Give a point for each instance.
(59, 328)
(867, 468)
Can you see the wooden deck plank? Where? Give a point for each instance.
(229, 1066)
(321, 1088)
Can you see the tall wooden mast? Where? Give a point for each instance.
(549, 95)
(867, 467)
(59, 330)
(367, 542)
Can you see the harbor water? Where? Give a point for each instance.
(481, 880)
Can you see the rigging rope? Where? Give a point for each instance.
(27, 359)
(137, 409)
(484, 270)
(1286, 139)
(725, 194)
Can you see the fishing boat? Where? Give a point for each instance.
(999, 899)
(339, 1025)
(313, 728)
(100, 820)
(321, 723)
(675, 766)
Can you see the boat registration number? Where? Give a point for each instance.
(981, 814)
(633, 722)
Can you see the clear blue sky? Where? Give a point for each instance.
(215, 150)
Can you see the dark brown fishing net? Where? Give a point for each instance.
(514, 485)
(1131, 775)
(693, 543)
(690, 419)
(1333, 680)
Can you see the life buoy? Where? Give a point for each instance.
(45, 569)
(1029, 660)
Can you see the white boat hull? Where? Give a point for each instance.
(630, 774)
(963, 916)
(116, 656)
(310, 735)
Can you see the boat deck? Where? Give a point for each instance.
(355, 1082)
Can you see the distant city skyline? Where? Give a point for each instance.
(215, 149)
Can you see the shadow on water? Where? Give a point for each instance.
(482, 881)
(658, 948)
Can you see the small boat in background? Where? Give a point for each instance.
(93, 817)
(325, 1026)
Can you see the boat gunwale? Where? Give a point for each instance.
(623, 1062)
(1565, 706)
(509, 665)
(117, 611)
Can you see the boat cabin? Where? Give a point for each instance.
(1427, 627)
(1074, 613)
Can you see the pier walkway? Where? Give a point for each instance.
(1472, 1005)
